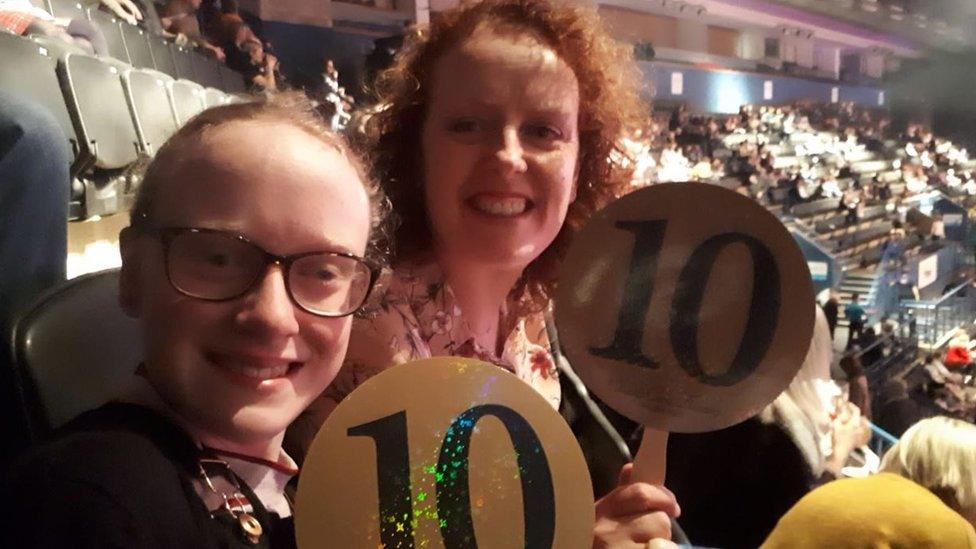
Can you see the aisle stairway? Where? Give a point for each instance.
(860, 281)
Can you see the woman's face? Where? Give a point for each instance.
(500, 146)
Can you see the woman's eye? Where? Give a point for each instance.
(547, 133)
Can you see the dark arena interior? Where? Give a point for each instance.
(488, 273)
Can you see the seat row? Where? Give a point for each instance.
(135, 46)
(111, 114)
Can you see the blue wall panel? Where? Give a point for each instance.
(825, 271)
(301, 49)
(723, 91)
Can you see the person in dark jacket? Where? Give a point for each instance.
(831, 309)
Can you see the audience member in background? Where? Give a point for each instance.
(237, 341)
(857, 384)
(246, 55)
(895, 411)
(850, 203)
(266, 65)
(957, 355)
(24, 18)
(830, 188)
(925, 496)
(937, 232)
(944, 387)
(854, 314)
(939, 454)
(330, 76)
(768, 462)
(883, 191)
(871, 351)
(34, 191)
(179, 17)
(127, 10)
(831, 309)
(492, 134)
(225, 27)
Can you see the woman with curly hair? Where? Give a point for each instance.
(493, 135)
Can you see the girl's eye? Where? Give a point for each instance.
(464, 125)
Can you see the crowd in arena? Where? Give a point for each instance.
(433, 223)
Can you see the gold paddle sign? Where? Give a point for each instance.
(444, 453)
(686, 307)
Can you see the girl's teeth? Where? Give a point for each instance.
(262, 373)
(500, 206)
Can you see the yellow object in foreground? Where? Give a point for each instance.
(882, 511)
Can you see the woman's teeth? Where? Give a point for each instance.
(500, 206)
(260, 373)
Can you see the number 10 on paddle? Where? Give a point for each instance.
(449, 453)
(686, 307)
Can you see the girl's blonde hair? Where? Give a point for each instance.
(939, 453)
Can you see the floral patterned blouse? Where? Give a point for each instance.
(418, 318)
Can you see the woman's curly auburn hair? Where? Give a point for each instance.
(610, 108)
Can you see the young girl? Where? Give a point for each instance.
(243, 263)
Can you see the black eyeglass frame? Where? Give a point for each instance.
(166, 236)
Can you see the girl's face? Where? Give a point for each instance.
(241, 370)
(500, 149)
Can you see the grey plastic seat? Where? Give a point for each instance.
(74, 349)
(231, 80)
(184, 63)
(188, 100)
(162, 56)
(112, 30)
(149, 104)
(28, 69)
(94, 94)
(70, 9)
(206, 70)
(137, 44)
(214, 97)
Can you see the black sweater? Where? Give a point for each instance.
(120, 477)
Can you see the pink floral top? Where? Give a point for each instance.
(418, 318)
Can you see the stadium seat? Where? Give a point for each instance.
(149, 103)
(233, 81)
(206, 70)
(93, 91)
(816, 207)
(69, 9)
(137, 44)
(214, 97)
(162, 56)
(184, 63)
(112, 29)
(73, 350)
(151, 21)
(28, 69)
(188, 100)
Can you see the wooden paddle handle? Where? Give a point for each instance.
(650, 463)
